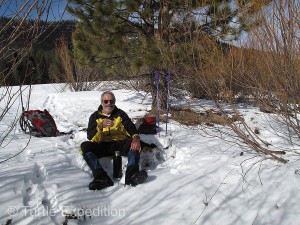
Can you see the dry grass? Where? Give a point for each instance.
(190, 118)
(208, 118)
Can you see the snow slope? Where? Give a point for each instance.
(194, 178)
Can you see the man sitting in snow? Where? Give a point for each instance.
(109, 130)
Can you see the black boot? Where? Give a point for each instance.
(134, 177)
(101, 180)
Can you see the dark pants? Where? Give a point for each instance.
(92, 151)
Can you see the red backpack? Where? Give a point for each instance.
(38, 123)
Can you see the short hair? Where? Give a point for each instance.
(108, 93)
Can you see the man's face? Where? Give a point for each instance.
(108, 103)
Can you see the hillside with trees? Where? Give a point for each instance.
(40, 39)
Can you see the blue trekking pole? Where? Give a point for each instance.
(168, 98)
(156, 78)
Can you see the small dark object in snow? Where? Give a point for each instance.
(297, 172)
(242, 153)
(8, 222)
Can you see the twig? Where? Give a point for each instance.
(9, 158)
(207, 202)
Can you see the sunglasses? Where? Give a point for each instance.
(110, 101)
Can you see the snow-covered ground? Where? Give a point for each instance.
(194, 178)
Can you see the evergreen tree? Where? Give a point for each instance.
(110, 31)
(118, 34)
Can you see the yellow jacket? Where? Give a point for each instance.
(123, 127)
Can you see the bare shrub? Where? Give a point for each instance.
(278, 47)
(257, 75)
(78, 77)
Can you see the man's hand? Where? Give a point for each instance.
(135, 144)
(106, 123)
